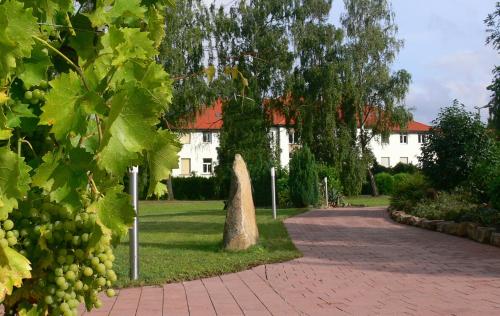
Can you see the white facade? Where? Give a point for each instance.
(402, 147)
(198, 155)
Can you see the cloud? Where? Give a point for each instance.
(462, 75)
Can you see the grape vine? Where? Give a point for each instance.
(80, 100)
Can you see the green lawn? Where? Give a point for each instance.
(182, 240)
(368, 200)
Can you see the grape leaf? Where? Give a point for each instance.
(35, 68)
(5, 131)
(13, 269)
(156, 22)
(60, 180)
(61, 109)
(162, 158)
(126, 44)
(14, 181)
(130, 131)
(114, 211)
(17, 25)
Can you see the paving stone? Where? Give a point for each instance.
(356, 262)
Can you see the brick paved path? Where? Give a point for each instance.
(356, 262)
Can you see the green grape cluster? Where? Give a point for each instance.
(71, 267)
(35, 94)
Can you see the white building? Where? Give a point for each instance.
(200, 140)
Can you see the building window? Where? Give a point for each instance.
(403, 138)
(207, 165)
(185, 138)
(422, 138)
(207, 137)
(403, 160)
(385, 161)
(185, 166)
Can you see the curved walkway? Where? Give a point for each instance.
(356, 262)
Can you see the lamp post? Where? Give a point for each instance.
(134, 230)
(326, 191)
(273, 191)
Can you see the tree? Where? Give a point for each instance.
(493, 28)
(249, 46)
(81, 98)
(457, 144)
(373, 96)
(303, 178)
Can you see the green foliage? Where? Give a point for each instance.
(404, 168)
(303, 179)
(372, 95)
(410, 192)
(78, 106)
(445, 206)
(401, 178)
(245, 132)
(282, 188)
(494, 192)
(335, 188)
(385, 183)
(493, 28)
(196, 188)
(457, 144)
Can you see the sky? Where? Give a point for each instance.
(444, 51)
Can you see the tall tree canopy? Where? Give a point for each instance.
(493, 28)
(372, 93)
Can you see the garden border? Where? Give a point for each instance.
(473, 231)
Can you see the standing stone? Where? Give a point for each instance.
(240, 230)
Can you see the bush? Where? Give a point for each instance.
(458, 143)
(400, 179)
(282, 190)
(195, 188)
(494, 193)
(303, 179)
(446, 206)
(409, 193)
(404, 168)
(385, 183)
(334, 183)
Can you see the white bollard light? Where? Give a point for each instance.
(134, 230)
(273, 191)
(326, 191)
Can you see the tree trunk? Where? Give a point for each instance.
(373, 183)
(170, 189)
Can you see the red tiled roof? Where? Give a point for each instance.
(210, 118)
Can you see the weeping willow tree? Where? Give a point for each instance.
(373, 95)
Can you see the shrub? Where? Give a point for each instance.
(494, 193)
(400, 179)
(303, 178)
(282, 190)
(334, 183)
(385, 183)
(195, 188)
(409, 193)
(446, 206)
(404, 168)
(457, 144)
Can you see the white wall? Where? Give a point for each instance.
(197, 150)
(395, 150)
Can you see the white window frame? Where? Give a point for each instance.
(291, 137)
(422, 138)
(403, 138)
(207, 137)
(403, 158)
(207, 165)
